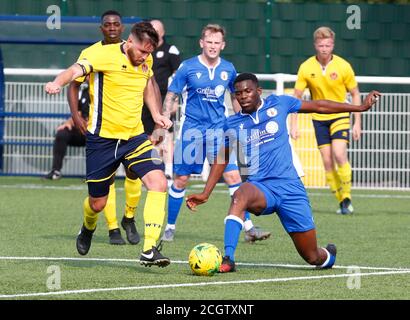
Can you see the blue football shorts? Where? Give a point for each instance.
(288, 198)
(191, 149)
(104, 156)
(329, 130)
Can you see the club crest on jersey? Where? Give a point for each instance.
(198, 75)
(272, 112)
(224, 75)
(144, 67)
(333, 76)
(160, 54)
(241, 126)
(272, 127)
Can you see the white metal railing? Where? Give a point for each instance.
(282, 78)
(31, 72)
(380, 159)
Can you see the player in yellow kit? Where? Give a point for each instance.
(330, 77)
(112, 29)
(121, 78)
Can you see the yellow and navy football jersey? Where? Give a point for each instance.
(331, 83)
(116, 90)
(85, 52)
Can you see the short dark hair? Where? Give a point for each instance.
(145, 31)
(246, 76)
(110, 13)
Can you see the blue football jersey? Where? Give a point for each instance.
(205, 88)
(263, 138)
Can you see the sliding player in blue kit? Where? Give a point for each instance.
(273, 184)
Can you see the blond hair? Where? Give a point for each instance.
(323, 33)
(213, 28)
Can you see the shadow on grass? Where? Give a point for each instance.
(72, 237)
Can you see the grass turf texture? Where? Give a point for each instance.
(42, 218)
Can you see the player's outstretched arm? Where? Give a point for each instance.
(64, 78)
(327, 106)
(217, 170)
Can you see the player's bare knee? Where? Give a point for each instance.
(98, 204)
(239, 199)
(155, 181)
(162, 185)
(180, 182)
(232, 177)
(159, 185)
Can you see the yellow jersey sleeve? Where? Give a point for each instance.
(87, 69)
(349, 77)
(301, 82)
(91, 59)
(80, 58)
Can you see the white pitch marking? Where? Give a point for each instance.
(274, 265)
(182, 285)
(197, 186)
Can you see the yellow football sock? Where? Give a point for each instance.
(154, 214)
(345, 175)
(132, 190)
(333, 181)
(110, 210)
(90, 216)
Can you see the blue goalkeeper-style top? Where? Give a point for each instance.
(205, 87)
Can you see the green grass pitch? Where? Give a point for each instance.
(40, 221)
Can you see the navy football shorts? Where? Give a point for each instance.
(329, 130)
(104, 156)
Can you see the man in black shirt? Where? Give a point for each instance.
(67, 134)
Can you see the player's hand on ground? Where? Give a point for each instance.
(163, 122)
(52, 88)
(371, 99)
(193, 200)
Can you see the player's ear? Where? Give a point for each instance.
(259, 90)
(201, 43)
(223, 45)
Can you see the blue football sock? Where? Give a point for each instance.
(233, 227)
(175, 199)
